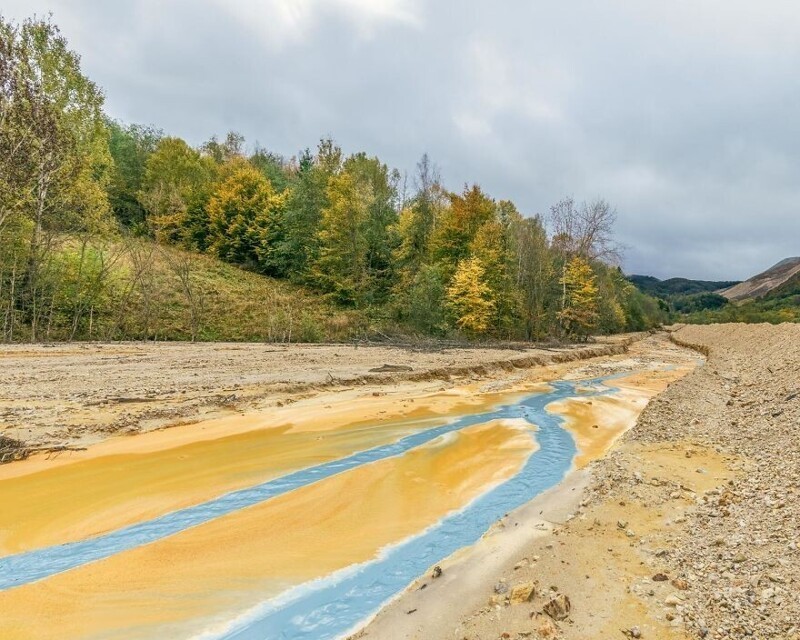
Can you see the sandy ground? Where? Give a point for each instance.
(688, 528)
(77, 394)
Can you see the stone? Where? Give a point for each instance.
(680, 584)
(523, 592)
(544, 627)
(437, 571)
(501, 587)
(558, 608)
(660, 577)
(672, 601)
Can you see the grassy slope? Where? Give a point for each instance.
(156, 292)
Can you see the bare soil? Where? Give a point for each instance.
(57, 396)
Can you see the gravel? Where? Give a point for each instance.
(735, 554)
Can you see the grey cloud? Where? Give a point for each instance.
(681, 114)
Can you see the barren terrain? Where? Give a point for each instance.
(688, 528)
(57, 395)
(684, 526)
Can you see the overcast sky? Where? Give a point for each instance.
(685, 114)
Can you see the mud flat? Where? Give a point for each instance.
(687, 528)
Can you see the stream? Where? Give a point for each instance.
(335, 605)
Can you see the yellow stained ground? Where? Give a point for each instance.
(597, 422)
(126, 480)
(183, 582)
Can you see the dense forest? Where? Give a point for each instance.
(120, 231)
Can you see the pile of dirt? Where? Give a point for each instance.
(706, 488)
(738, 550)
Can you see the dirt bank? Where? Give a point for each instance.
(77, 394)
(688, 528)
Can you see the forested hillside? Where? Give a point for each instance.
(678, 286)
(782, 304)
(116, 231)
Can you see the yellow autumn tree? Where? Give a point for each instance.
(469, 297)
(580, 313)
(245, 216)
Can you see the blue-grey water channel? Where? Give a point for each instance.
(328, 608)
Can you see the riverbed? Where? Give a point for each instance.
(298, 522)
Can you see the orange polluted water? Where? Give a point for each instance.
(301, 535)
(179, 585)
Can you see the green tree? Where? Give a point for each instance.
(246, 219)
(380, 227)
(418, 220)
(341, 267)
(612, 294)
(533, 274)
(490, 247)
(459, 223)
(56, 160)
(307, 199)
(357, 237)
(274, 167)
(229, 149)
(175, 190)
(130, 146)
(422, 302)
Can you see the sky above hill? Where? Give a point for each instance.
(683, 114)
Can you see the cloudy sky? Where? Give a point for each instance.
(684, 114)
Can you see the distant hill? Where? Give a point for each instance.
(672, 287)
(772, 296)
(780, 277)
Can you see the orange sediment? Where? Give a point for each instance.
(185, 582)
(598, 421)
(127, 480)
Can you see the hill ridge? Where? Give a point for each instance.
(765, 282)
